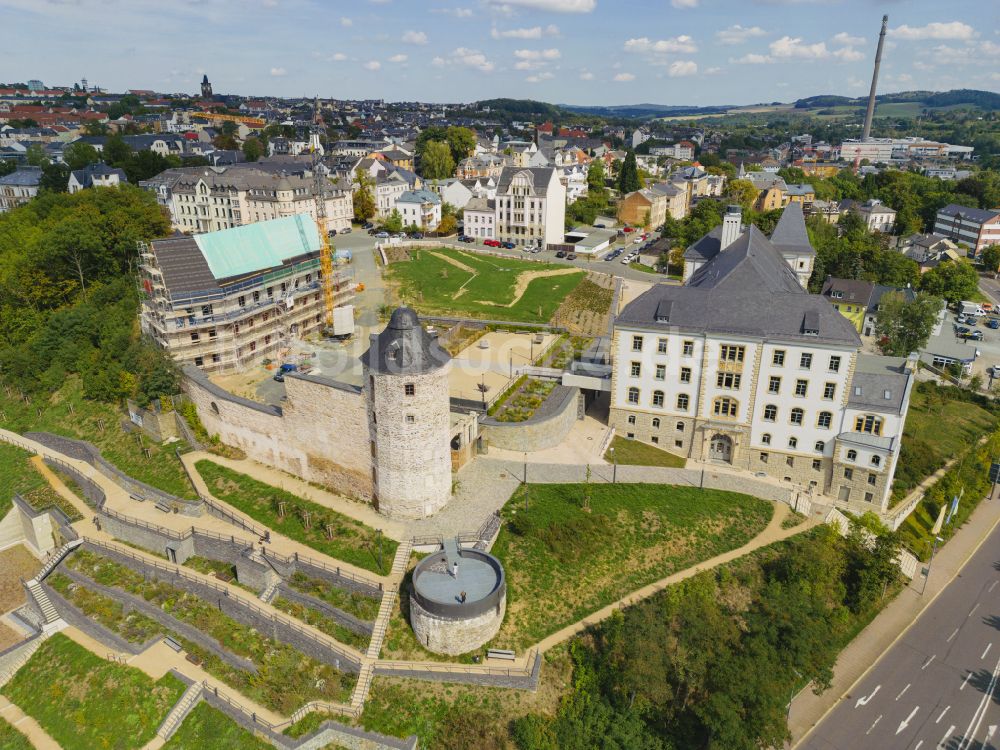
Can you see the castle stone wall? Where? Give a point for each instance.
(446, 636)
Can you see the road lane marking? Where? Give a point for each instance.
(952, 636)
(917, 746)
(873, 724)
(972, 610)
(977, 717)
(906, 722)
(992, 586)
(990, 732)
(864, 701)
(926, 663)
(903, 691)
(986, 651)
(938, 719)
(941, 745)
(966, 680)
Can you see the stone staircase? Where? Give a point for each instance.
(381, 624)
(267, 595)
(57, 557)
(401, 560)
(364, 684)
(49, 612)
(179, 711)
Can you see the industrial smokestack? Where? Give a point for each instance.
(871, 96)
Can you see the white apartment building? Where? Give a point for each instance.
(743, 367)
(420, 208)
(210, 199)
(877, 216)
(388, 188)
(222, 301)
(530, 206)
(977, 228)
(19, 187)
(95, 175)
(479, 218)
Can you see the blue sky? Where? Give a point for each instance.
(567, 51)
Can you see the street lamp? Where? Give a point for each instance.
(927, 573)
(525, 482)
(614, 470)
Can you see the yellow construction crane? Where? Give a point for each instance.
(325, 248)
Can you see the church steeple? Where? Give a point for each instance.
(206, 87)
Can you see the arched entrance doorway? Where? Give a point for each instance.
(721, 448)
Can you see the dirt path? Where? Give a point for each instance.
(453, 261)
(526, 277)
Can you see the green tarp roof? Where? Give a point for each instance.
(258, 247)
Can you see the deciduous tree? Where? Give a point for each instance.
(903, 327)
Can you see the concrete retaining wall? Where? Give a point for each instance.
(546, 428)
(499, 677)
(343, 618)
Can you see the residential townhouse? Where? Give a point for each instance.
(530, 207)
(650, 206)
(859, 300)
(420, 208)
(976, 228)
(479, 218)
(19, 187)
(95, 175)
(741, 366)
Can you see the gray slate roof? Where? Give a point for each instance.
(404, 347)
(540, 177)
(974, 214)
(879, 384)
(23, 177)
(183, 265)
(746, 290)
(790, 235)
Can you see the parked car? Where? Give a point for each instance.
(469, 239)
(961, 331)
(382, 235)
(628, 229)
(974, 336)
(993, 323)
(637, 241)
(509, 245)
(332, 233)
(345, 230)
(571, 256)
(367, 225)
(417, 236)
(283, 370)
(560, 253)
(968, 320)
(599, 226)
(372, 232)
(491, 243)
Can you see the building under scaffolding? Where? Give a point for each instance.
(223, 301)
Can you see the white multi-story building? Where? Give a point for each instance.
(480, 218)
(977, 228)
(743, 367)
(530, 206)
(877, 216)
(209, 199)
(95, 175)
(388, 188)
(19, 187)
(420, 208)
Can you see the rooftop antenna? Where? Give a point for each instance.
(866, 133)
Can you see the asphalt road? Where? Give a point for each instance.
(938, 687)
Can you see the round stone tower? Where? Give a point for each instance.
(406, 390)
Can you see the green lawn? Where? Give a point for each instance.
(564, 561)
(18, 475)
(66, 412)
(85, 702)
(938, 427)
(285, 679)
(351, 541)
(11, 739)
(433, 285)
(636, 453)
(207, 728)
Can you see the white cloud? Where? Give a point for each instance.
(586, 75)
(794, 48)
(712, 71)
(752, 59)
(950, 30)
(345, 21)
(456, 12)
(278, 72)
(644, 45)
(531, 32)
(400, 58)
(539, 77)
(372, 65)
(684, 3)
(623, 77)
(465, 57)
(682, 68)
(555, 6)
(847, 40)
(737, 34)
(339, 56)
(537, 54)
(848, 54)
(414, 37)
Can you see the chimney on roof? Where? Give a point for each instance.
(732, 226)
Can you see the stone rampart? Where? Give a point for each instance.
(546, 428)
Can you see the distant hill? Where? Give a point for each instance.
(644, 110)
(929, 99)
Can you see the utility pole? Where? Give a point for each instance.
(927, 574)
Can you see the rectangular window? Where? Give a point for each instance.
(834, 364)
(848, 473)
(727, 380)
(637, 343)
(661, 346)
(661, 372)
(685, 374)
(829, 391)
(195, 336)
(817, 464)
(242, 301)
(869, 424)
(636, 369)
(688, 348)
(872, 478)
(806, 361)
(801, 386)
(774, 385)
(869, 497)
(682, 402)
(409, 389)
(633, 395)
(731, 353)
(778, 358)
(763, 458)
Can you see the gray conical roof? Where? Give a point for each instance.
(404, 347)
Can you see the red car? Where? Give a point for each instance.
(491, 243)
(628, 229)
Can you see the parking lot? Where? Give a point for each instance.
(988, 347)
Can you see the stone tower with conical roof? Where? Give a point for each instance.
(406, 389)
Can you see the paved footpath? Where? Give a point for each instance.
(865, 652)
(27, 726)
